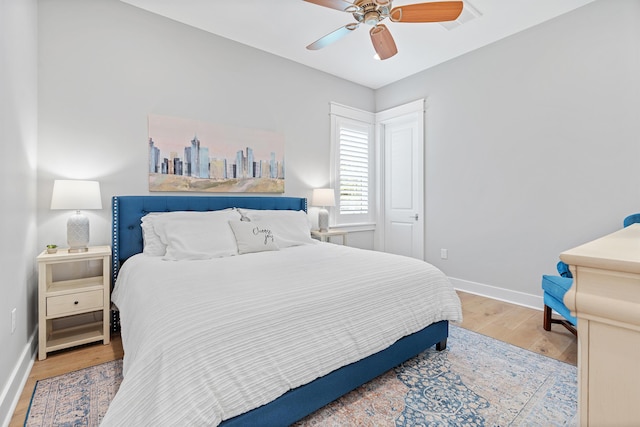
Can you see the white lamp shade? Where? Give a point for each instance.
(76, 195)
(73, 194)
(323, 197)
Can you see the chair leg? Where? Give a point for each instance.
(546, 323)
(567, 325)
(548, 320)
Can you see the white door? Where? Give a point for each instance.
(402, 148)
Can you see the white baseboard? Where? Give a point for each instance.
(13, 389)
(507, 295)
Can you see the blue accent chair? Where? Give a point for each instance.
(555, 287)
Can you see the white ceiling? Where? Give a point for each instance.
(286, 27)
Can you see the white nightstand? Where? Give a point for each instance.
(325, 236)
(70, 284)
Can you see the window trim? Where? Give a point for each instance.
(341, 115)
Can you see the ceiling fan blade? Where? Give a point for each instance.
(427, 12)
(383, 42)
(333, 36)
(342, 5)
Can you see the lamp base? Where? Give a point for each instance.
(323, 219)
(78, 233)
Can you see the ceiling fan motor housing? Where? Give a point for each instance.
(372, 11)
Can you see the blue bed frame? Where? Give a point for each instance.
(304, 400)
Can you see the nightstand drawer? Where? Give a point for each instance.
(73, 303)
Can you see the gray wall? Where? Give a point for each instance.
(532, 146)
(106, 65)
(18, 133)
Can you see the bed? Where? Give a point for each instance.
(139, 399)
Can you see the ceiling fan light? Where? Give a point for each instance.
(371, 18)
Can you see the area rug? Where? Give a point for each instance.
(476, 381)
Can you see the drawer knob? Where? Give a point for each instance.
(75, 302)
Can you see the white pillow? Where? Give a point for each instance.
(151, 243)
(197, 235)
(253, 236)
(291, 228)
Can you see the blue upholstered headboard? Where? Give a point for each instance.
(126, 239)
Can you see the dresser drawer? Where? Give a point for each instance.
(74, 303)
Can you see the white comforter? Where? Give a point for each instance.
(208, 340)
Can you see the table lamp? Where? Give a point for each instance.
(323, 197)
(76, 195)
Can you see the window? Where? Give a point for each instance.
(352, 165)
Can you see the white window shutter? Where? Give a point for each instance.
(354, 171)
(352, 148)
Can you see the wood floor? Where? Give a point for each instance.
(519, 326)
(511, 323)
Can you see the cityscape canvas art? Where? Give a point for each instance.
(192, 155)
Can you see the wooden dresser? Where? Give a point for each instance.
(605, 297)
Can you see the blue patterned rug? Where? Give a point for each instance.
(477, 381)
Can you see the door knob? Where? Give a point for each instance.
(414, 217)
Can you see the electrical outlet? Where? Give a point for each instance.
(444, 253)
(13, 321)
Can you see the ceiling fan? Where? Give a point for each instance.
(372, 12)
